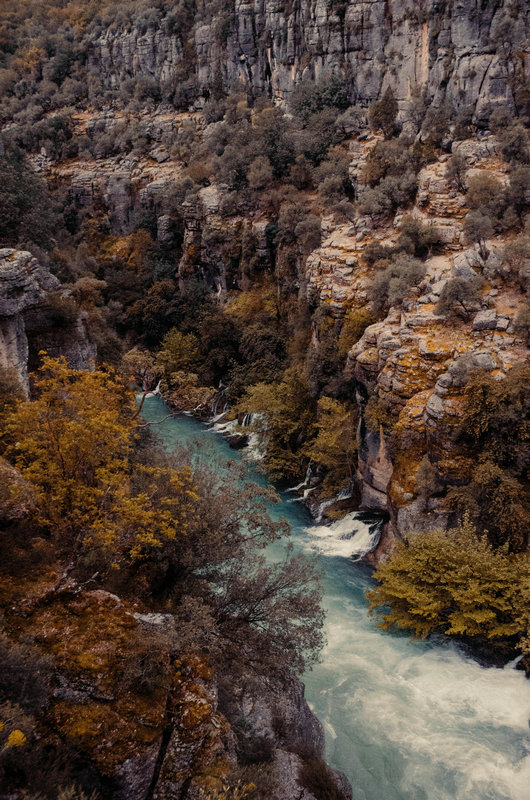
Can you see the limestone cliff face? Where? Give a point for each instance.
(26, 288)
(454, 49)
(416, 362)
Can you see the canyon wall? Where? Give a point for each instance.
(455, 50)
(30, 300)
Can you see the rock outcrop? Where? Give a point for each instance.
(28, 291)
(454, 50)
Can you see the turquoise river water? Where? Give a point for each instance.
(404, 720)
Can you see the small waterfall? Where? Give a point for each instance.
(352, 537)
(344, 494)
(304, 483)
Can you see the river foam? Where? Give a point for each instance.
(350, 537)
(405, 720)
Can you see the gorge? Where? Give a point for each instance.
(402, 719)
(298, 233)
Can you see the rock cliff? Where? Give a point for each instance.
(155, 739)
(30, 308)
(455, 50)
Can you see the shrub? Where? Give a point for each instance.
(376, 415)
(486, 194)
(514, 144)
(311, 97)
(436, 125)
(61, 310)
(260, 173)
(477, 228)
(318, 135)
(354, 325)
(455, 172)
(382, 114)
(27, 212)
(521, 323)
(517, 257)
(391, 193)
(417, 238)
(25, 677)
(318, 779)
(301, 173)
(517, 195)
(454, 583)
(388, 159)
(10, 389)
(392, 284)
(460, 297)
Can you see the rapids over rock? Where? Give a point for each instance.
(404, 720)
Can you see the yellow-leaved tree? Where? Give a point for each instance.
(455, 583)
(73, 444)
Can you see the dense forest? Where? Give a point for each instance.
(336, 271)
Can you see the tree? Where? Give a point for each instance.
(335, 444)
(477, 228)
(179, 353)
(495, 431)
(391, 285)
(417, 238)
(27, 212)
(485, 194)
(284, 415)
(436, 124)
(494, 501)
(72, 444)
(459, 296)
(454, 583)
(310, 97)
(514, 144)
(455, 172)
(382, 114)
(260, 173)
(354, 325)
(140, 366)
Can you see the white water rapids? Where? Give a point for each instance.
(405, 720)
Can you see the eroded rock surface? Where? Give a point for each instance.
(451, 49)
(25, 328)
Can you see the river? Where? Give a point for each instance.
(405, 720)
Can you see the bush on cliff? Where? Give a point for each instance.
(392, 284)
(454, 583)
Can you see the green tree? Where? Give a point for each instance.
(284, 416)
(179, 353)
(354, 325)
(453, 582)
(335, 444)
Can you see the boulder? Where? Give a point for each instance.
(485, 320)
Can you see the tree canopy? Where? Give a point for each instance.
(453, 582)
